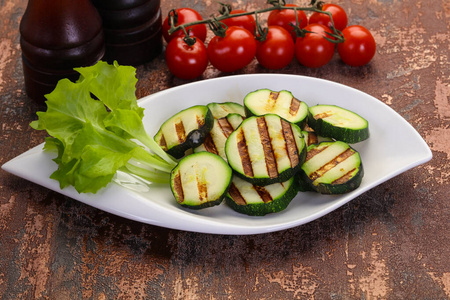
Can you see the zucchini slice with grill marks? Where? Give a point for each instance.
(200, 180)
(283, 103)
(253, 200)
(215, 140)
(338, 123)
(265, 149)
(220, 110)
(185, 130)
(332, 168)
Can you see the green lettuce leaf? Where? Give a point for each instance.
(93, 124)
(114, 85)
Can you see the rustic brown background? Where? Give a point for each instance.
(390, 243)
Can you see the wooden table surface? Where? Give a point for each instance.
(390, 243)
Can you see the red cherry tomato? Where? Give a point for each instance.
(247, 21)
(277, 50)
(232, 52)
(337, 13)
(286, 18)
(184, 61)
(183, 16)
(359, 46)
(313, 50)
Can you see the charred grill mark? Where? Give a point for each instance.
(312, 138)
(209, 144)
(273, 96)
(178, 187)
(307, 128)
(331, 164)
(313, 152)
(225, 126)
(163, 143)
(236, 195)
(344, 178)
(202, 190)
(323, 115)
(263, 193)
(295, 105)
(181, 133)
(200, 121)
(271, 163)
(291, 146)
(243, 153)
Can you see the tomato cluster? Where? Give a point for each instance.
(289, 33)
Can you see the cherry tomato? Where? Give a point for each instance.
(277, 50)
(183, 16)
(184, 61)
(313, 50)
(232, 52)
(337, 13)
(359, 46)
(247, 21)
(286, 18)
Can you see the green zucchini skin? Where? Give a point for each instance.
(282, 103)
(345, 133)
(301, 184)
(194, 181)
(191, 137)
(277, 197)
(264, 157)
(306, 183)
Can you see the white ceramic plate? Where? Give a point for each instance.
(393, 147)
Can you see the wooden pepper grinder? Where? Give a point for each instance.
(57, 36)
(133, 30)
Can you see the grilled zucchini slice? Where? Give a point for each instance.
(338, 123)
(332, 168)
(215, 140)
(265, 149)
(283, 103)
(221, 110)
(200, 180)
(185, 130)
(253, 200)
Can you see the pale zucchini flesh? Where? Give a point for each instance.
(282, 103)
(222, 109)
(195, 182)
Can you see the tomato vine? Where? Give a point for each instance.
(217, 27)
